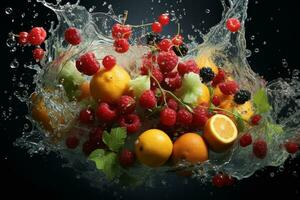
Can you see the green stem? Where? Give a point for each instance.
(142, 25)
(160, 88)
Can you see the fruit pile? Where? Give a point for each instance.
(175, 110)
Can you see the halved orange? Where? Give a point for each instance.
(220, 132)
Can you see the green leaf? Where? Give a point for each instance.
(115, 139)
(97, 156)
(272, 129)
(260, 100)
(239, 120)
(139, 85)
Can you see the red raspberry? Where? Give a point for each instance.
(23, 38)
(219, 180)
(184, 117)
(106, 112)
(216, 100)
(229, 87)
(109, 62)
(95, 137)
(164, 19)
(87, 64)
(172, 104)
(200, 116)
(147, 65)
(173, 81)
(229, 180)
(148, 100)
(126, 158)
(233, 24)
(72, 141)
(291, 147)
(126, 104)
(188, 66)
(157, 75)
(121, 31)
(167, 61)
(72, 36)
(88, 147)
(219, 78)
(177, 40)
(165, 45)
(121, 45)
(38, 53)
(245, 140)
(86, 116)
(168, 117)
(37, 36)
(260, 148)
(131, 122)
(156, 27)
(256, 119)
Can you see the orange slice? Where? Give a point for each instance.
(220, 132)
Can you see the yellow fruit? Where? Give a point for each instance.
(222, 97)
(204, 60)
(153, 147)
(205, 97)
(84, 91)
(190, 147)
(109, 85)
(220, 132)
(246, 110)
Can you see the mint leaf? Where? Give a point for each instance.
(115, 139)
(260, 100)
(97, 156)
(239, 120)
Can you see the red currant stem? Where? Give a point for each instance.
(142, 25)
(125, 17)
(216, 108)
(160, 88)
(178, 28)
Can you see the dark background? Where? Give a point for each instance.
(41, 177)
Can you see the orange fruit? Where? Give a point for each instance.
(109, 85)
(205, 60)
(84, 91)
(190, 147)
(205, 97)
(153, 147)
(220, 132)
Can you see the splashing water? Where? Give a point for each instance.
(226, 49)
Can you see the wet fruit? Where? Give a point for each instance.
(168, 117)
(109, 62)
(23, 38)
(242, 96)
(207, 74)
(121, 45)
(38, 53)
(233, 24)
(164, 19)
(37, 36)
(260, 148)
(204, 60)
(167, 61)
(156, 27)
(126, 104)
(84, 91)
(245, 140)
(131, 122)
(256, 119)
(126, 158)
(72, 36)
(106, 112)
(86, 116)
(291, 147)
(205, 96)
(148, 99)
(87, 64)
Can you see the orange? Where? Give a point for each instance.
(190, 147)
(220, 132)
(205, 96)
(109, 85)
(205, 60)
(153, 148)
(84, 91)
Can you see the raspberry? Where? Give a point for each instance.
(164, 19)
(156, 27)
(121, 31)
(180, 50)
(131, 122)
(167, 61)
(245, 140)
(219, 78)
(177, 40)
(216, 100)
(72, 141)
(256, 119)
(121, 45)
(187, 66)
(229, 180)
(72, 36)
(207, 74)
(109, 62)
(173, 81)
(37, 36)
(242, 96)
(184, 117)
(153, 38)
(229, 87)
(106, 112)
(200, 116)
(172, 104)
(219, 180)
(86, 116)
(148, 100)
(87, 64)
(291, 147)
(126, 104)
(233, 24)
(95, 137)
(146, 66)
(168, 117)
(157, 75)
(23, 38)
(165, 45)
(260, 148)
(38, 53)
(126, 158)
(88, 147)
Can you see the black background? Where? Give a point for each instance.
(41, 177)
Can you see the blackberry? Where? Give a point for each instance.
(180, 50)
(153, 38)
(242, 96)
(207, 74)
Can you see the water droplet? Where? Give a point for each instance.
(104, 3)
(35, 15)
(256, 50)
(92, 9)
(256, 2)
(11, 41)
(23, 15)
(252, 37)
(248, 53)
(264, 42)
(272, 174)
(14, 49)
(207, 11)
(284, 63)
(8, 10)
(14, 64)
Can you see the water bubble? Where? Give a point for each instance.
(92, 9)
(264, 42)
(23, 15)
(14, 49)
(248, 53)
(284, 63)
(14, 64)
(272, 174)
(26, 126)
(8, 10)
(104, 3)
(252, 37)
(11, 41)
(256, 50)
(256, 2)
(207, 11)
(35, 15)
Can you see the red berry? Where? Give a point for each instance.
(156, 27)
(173, 80)
(233, 24)
(245, 140)
(216, 100)
(88, 147)
(168, 117)
(219, 78)
(188, 66)
(172, 104)
(260, 148)
(72, 36)
(184, 117)
(109, 62)
(167, 61)
(106, 112)
(121, 31)
(37, 36)
(87, 64)
(72, 141)
(229, 87)
(126, 104)
(148, 100)
(126, 158)
(200, 116)
(38, 53)
(177, 40)
(256, 119)
(23, 38)
(164, 19)
(121, 45)
(219, 180)
(291, 147)
(165, 45)
(95, 137)
(131, 122)
(86, 116)
(158, 75)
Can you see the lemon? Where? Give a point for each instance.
(205, 97)
(204, 60)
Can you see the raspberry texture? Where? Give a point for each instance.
(187, 66)
(131, 122)
(172, 104)
(37, 36)
(158, 75)
(219, 78)
(121, 45)
(38, 53)
(291, 147)
(168, 117)
(72, 36)
(23, 38)
(229, 87)
(148, 100)
(109, 62)
(164, 19)
(256, 119)
(126, 158)
(260, 148)
(86, 116)
(200, 116)
(126, 104)
(167, 61)
(245, 140)
(87, 64)
(165, 45)
(106, 112)
(121, 31)
(173, 81)
(184, 117)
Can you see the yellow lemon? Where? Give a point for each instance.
(205, 97)
(204, 60)
(153, 147)
(246, 110)
(109, 85)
